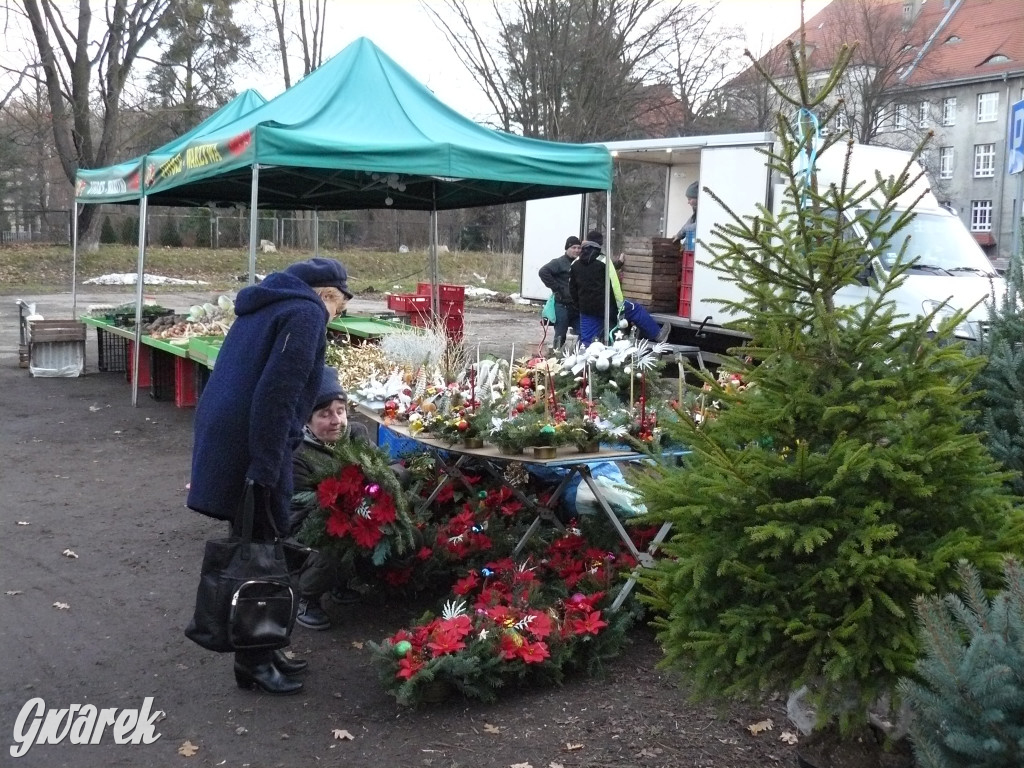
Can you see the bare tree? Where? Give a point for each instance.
(875, 101)
(564, 70)
(303, 22)
(698, 62)
(84, 64)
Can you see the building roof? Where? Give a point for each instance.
(979, 38)
(947, 40)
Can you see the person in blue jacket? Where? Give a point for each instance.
(252, 411)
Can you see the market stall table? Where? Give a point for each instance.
(492, 460)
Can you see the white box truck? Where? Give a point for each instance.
(951, 269)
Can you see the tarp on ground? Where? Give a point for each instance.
(361, 132)
(122, 182)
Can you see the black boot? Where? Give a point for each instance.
(255, 669)
(289, 666)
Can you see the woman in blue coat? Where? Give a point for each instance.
(252, 410)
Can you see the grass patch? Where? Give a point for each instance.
(47, 268)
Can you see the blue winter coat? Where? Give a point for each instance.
(259, 396)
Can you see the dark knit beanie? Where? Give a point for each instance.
(693, 190)
(595, 237)
(571, 241)
(321, 273)
(330, 389)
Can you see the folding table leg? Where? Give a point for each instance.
(546, 512)
(631, 582)
(642, 557)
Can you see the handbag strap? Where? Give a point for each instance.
(247, 513)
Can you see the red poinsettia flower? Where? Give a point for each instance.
(510, 646)
(466, 584)
(425, 553)
(383, 509)
(590, 624)
(351, 480)
(365, 532)
(534, 653)
(446, 494)
(338, 524)
(443, 642)
(460, 625)
(540, 624)
(327, 491)
(408, 666)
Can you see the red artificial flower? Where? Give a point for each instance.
(337, 524)
(446, 494)
(408, 666)
(590, 624)
(424, 553)
(351, 480)
(383, 509)
(327, 491)
(540, 626)
(510, 646)
(534, 653)
(443, 642)
(466, 584)
(365, 532)
(459, 625)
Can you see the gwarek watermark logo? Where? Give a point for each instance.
(82, 724)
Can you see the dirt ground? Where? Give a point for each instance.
(84, 471)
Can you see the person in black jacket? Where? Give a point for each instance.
(251, 413)
(587, 288)
(327, 425)
(555, 275)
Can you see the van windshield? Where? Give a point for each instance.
(940, 243)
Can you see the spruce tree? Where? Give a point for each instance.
(968, 692)
(1002, 379)
(842, 482)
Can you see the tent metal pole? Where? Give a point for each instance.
(316, 232)
(609, 265)
(435, 303)
(74, 260)
(254, 221)
(139, 281)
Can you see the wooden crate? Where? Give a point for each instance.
(650, 274)
(56, 348)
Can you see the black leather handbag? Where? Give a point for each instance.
(245, 599)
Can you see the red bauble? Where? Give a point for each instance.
(525, 382)
(520, 407)
(462, 426)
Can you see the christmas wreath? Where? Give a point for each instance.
(511, 622)
(358, 507)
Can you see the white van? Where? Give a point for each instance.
(952, 270)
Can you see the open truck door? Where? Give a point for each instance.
(740, 177)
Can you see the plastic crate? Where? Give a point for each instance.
(409, 303)
(111, 352)
(685, 300)
(145, 360)
(454, 327)
(445, 292)
(162, 372)
(185, 382)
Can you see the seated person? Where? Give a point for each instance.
(587, 286)
(327, 425)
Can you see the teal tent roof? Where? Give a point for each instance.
(121, 182)
(358, 132)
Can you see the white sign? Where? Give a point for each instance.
(1015, 155)
(37, 724)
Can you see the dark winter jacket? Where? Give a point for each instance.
(586, 282)
(259, 396)
(555, 275)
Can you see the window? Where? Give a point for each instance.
(949, 111)
(998, 58)
(840, 121)
(953, 39)
(945, 162)
(923, 116)
(984, 160)
(900, 118)
(981, 215)
(988, 107)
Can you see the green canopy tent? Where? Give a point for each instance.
(360, 132)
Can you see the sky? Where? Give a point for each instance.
(406, 32)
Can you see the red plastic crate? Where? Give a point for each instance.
(145, 373)
(409, 303)
(184, 382)
(445, 292)
(453, 327)
(685, 300)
